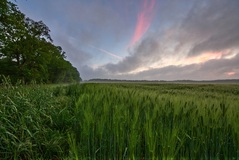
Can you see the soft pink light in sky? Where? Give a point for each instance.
(109, 38)
(204, 57)
(143, 20)
(231, 73)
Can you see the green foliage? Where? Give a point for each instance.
(33, 122)
(119, 121)
(27, 52)
(157, 121)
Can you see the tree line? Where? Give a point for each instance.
(27, 52)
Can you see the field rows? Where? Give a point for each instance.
(120, 121)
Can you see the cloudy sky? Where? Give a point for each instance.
(144, 39)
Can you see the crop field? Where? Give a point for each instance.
(119, 121)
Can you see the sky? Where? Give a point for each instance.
(144, 39)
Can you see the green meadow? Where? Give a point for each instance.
(119, 121)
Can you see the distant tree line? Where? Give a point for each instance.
(27, 51)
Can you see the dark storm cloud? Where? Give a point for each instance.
(147, 52)
(212, 26)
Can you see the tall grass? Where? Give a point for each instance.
(32, 122)
(129, 121)
(119, 121)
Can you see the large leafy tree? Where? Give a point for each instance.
(59, 69)
(27, 51)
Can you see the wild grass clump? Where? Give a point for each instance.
(33, 124)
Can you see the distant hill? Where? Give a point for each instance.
(220, 81)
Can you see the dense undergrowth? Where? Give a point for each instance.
(35, 120)
(119, 121)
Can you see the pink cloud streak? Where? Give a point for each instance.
(143, 20)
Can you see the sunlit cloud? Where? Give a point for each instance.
(184, 61)
(144, 20)
(231, 73)
(204, 57)
(187, 39)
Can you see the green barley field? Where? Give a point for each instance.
(119, 121)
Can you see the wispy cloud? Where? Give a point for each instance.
(210, 70)
(143, 20)
(189, 39)
(107, 52)
(176, 51)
